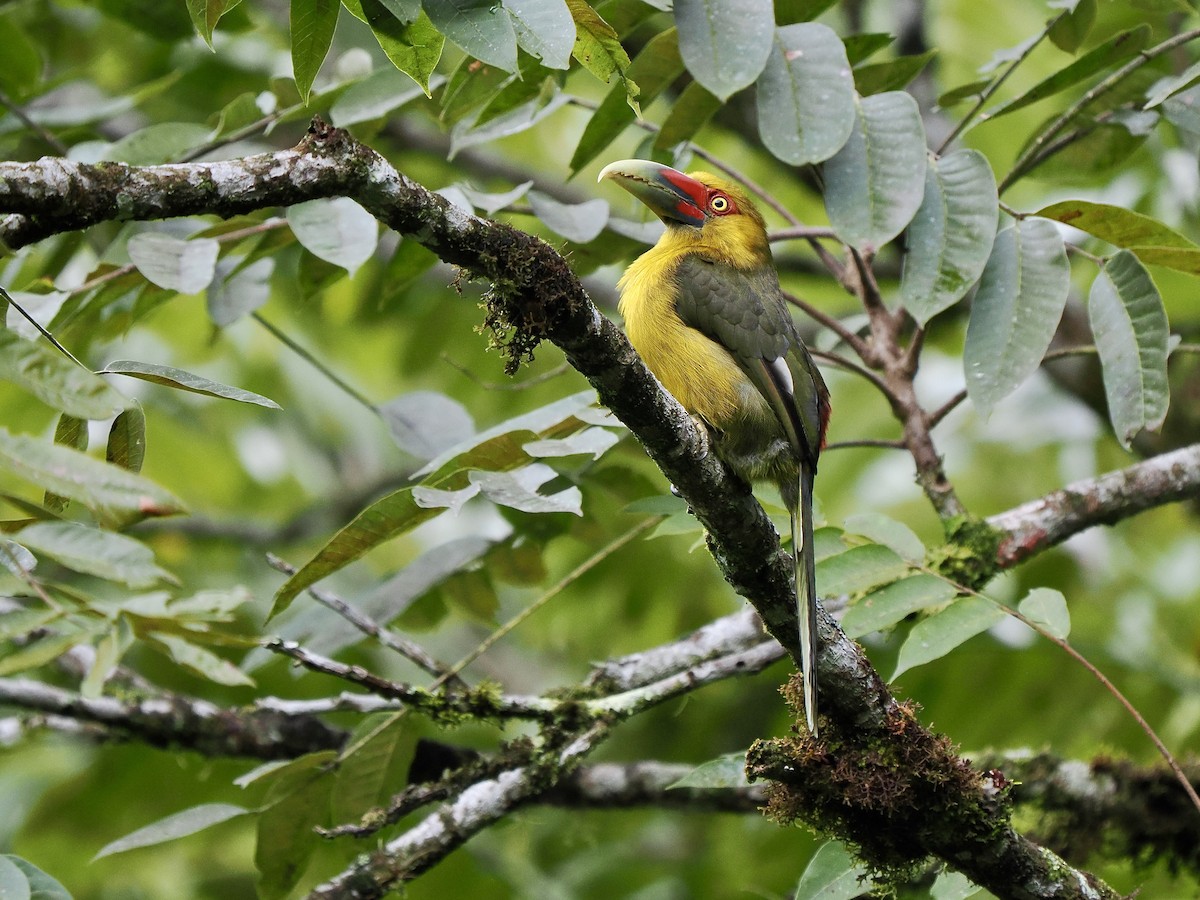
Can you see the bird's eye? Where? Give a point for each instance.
(720, 204)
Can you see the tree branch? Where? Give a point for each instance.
(1040, 524)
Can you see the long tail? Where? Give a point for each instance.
(804, 561)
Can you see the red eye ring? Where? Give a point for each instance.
(720, 204)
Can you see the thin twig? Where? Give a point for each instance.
(48, 137)
(316, 363)
(410, 650)
(42, 331)
(834, 324)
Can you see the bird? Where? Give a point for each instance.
(704, 310)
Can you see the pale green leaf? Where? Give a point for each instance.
(1129, 325)
(593, 441)
(725, 44)
(876, 182)
(237, 289)
(16, 559)
(1116, 225)
(336, 230)
(545, 29)
(104, 554)
(950, 238)
(578, 222)
(833, 874)
(160, 143)
(41, 651)
(13, 883)
(857, 569)
(174, 264)
(887, 531)
(518, 489)
(169, 376)
(954, 885)
(522, 118)
(1048, 608)
(805, 95)
(728, 771)
(893, 603)
(1016, 310)
(597, 46)
(481, 27)
(100, 486)
(200, 661)
(177, 825)
(48, 375)
(1168, 87)
(945, 631)
(426, 423)
(382, 92)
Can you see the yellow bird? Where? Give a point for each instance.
(704, 309)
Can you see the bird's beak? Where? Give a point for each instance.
(672, 196)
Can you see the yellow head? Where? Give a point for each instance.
(703, 213)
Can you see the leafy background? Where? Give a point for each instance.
(369, 348)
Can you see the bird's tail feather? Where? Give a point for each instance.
(804, 561)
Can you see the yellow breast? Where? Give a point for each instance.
(697, 371)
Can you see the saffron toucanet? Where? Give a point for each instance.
(705, 311)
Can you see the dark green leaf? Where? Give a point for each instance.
(944, 631)
(724, 45)
(367, 764)
(298, 800)
(863, 46)
(313, 22)
(205, 15)
(200, 661)
(1015, 311)
(969, 91)
(597, 46)
(127, 439)
(174, 826)
(950, 238)
(689, 113)
(56, 381)
(169, 376)
(1070, 31)
(413, 47)
(876, 182)
(1115, 224)
(1115, 50)
(805, 95)
(875, 78)
(1129, 325)
(22, 69)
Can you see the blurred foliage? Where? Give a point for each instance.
(367, 346)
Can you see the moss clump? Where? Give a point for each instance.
(969, 555)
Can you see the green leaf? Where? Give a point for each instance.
(380, 93)
(594, 442)
(200, 661)
(520, 119)
(414, 47)
(951, 236)
(876, 182)
(895, 602)
(518, 489)
(1015, 311)
(13, 883)
(805, 95)
(1129, 324)
(55, 380)
(1107, 55)
(942, 632)
(41, 885)
(857, 569)
(728, 771)
(597, 46)
(313, 22)
(481, 27)
(336, 230)
(863, 46)
(160, 143)
(954, 885)
(578, 222)
(1048, 608)
(725, 45)
(970, 91)
(102, 487)
(426, 423)
(41, 651)
(1168, 87)
(238, 289)
(298, 800)
(1180, 259)
(653, 70)
(545, 29)
(833, 874)
(893, 75)
(16, 558)
(23, 65)
(169, 376)
(205, 15)
(689, 113)
(174, 264)
(127, 439)
(1116, 225)
(1070, 31)
(104, 554)
(367, 763)
(885, 530)
(496, 449)
(175, 826)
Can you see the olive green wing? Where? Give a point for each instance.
(745, 312)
